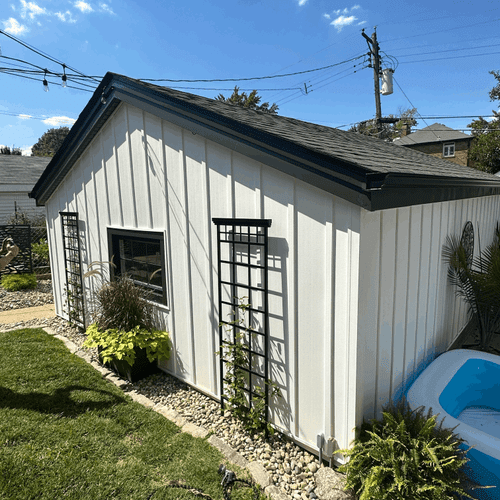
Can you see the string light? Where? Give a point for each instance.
(45, 82)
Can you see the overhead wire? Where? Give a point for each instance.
(43, 54)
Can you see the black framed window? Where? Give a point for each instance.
(140, 256)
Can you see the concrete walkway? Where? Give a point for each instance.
(17, 315)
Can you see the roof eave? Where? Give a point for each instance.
(371, 191)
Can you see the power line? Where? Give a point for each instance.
(42, 54)
(250, 78)
(449, 50)
(450, 57)
(441, 31)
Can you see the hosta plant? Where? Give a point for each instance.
(406, 454)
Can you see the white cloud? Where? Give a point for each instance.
(24, 117)
(59, 120)
(342, 21)
(65, 17)
(13, 27)
(31, 9)
(104, 7)
(83, 6)
(343, 17)
(302, 2)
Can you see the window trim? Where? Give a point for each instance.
(446, 146)
(114, 235)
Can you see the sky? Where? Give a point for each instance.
(441, 52)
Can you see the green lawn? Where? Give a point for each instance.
(65, 432)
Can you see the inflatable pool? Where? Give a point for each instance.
(463, 387)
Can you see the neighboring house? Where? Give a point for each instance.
(357, 296)
(439, 141)
(18, 175)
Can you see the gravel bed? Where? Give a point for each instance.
(40, 296)
(289, 466)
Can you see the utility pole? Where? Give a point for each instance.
(375, 58)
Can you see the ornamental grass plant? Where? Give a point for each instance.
(405, 455)
(124, 321)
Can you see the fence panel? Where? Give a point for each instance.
(21, 235)
(40, 251)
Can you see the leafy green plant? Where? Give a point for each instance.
(121, 344)
(123, 321)
(406, 454)
(40, 251)
(15, 282)
(478, 282)
(252, 411)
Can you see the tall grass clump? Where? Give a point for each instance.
(121, 305)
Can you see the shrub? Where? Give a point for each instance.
(40, 251)
(15, 282)
(406, 454)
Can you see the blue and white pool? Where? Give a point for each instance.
(463, 386)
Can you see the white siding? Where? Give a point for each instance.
(10, 200)
(409, 313)
(359, 302)
(143, 173)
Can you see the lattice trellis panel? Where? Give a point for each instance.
(72, 265)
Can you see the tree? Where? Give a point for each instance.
(485, 149)
(389, 131)
(5, 150)
(250, 101)
(484, 152)
(50, 142)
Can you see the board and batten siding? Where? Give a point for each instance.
(144, 173)
(409, 313)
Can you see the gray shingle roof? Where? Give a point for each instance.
(433, 133)
(364, 170)
(367, 153)
(16, 169)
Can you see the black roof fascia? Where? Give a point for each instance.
(310, 172)
(372, 191)
(79, 137)
(399, 190)
(349, 172)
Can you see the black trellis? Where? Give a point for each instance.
(72, 265)
(243, 278)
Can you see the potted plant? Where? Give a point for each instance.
(124, 332)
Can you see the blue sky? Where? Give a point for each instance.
(441, 51)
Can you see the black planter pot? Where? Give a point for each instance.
(141, 368)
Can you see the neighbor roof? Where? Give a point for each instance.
(433, 133)
(364, 170)
(22, 171)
